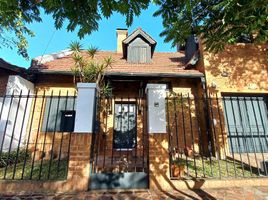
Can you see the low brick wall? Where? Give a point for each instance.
(160, 176)
(78, 172)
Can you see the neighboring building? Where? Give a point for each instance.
(7, 69)
(205, 112)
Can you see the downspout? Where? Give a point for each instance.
(205, 96)
(208, 120)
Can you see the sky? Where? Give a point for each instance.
(49, 40)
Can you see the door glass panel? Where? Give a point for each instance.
(124, 126)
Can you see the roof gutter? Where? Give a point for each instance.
(124, 74)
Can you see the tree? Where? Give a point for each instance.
(15, 15)
(218, 22)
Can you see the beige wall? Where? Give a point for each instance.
(246, 66)
(240, 68)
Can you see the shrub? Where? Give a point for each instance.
(10, 158)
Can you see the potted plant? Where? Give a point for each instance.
(188, 151)
(177, 164)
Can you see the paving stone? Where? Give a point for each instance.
(247, 193)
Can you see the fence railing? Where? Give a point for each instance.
(120, 143)
(217, 137)
(35, 134)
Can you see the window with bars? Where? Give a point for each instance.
(59, 114)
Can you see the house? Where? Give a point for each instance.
(12, 82)
(7, 69)
(172, 115)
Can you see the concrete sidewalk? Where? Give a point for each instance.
(254, 193)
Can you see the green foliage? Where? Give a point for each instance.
(15, 15)
(11, 158)
(92, 51)
(218, 22)
(90, 69)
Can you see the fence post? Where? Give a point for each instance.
(79, 161)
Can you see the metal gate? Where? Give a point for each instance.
(119, 158)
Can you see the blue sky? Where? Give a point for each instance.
(48, 40)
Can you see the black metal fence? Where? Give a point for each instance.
(218, 137)
(120, 143)
(35, 134)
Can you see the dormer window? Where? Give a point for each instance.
(139, 51)
(138, 47)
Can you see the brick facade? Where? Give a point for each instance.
(78, 171)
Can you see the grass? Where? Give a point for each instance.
(55, 173)
(217, 168)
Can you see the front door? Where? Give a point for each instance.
(125, 126)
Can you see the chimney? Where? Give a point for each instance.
(121, 34)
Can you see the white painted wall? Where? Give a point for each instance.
(13, 112)
(85, 108)
(156, 94)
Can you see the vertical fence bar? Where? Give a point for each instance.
(97, 133)
(136, 141)
(113, 131)
(236, 131)
(244, 138)
(106, 131)
(12, 134)
(37, 134)
(18, 148)
(121, 122)
(208, 131)
(143, 135)
(258, 131)
(44, 143)
(223, 140)
(184, 134)
(29, 135)
(251, 133)
(53, 137)
(62, 133)
(169, 140)
(228, 127)
(128, 127)
(70, 138)
(210, 104)
(5, 129)
(196, 100)
(176, 122)
(192, 134)
(2, 107)
(265, 136)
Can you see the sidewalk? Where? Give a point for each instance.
(254, 193)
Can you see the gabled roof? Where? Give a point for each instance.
(10, 67)
(163, 63)
(138, 33)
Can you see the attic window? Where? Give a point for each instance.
(139, 51)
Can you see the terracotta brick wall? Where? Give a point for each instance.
(78, 173)
(240, 68)
(3, 81)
